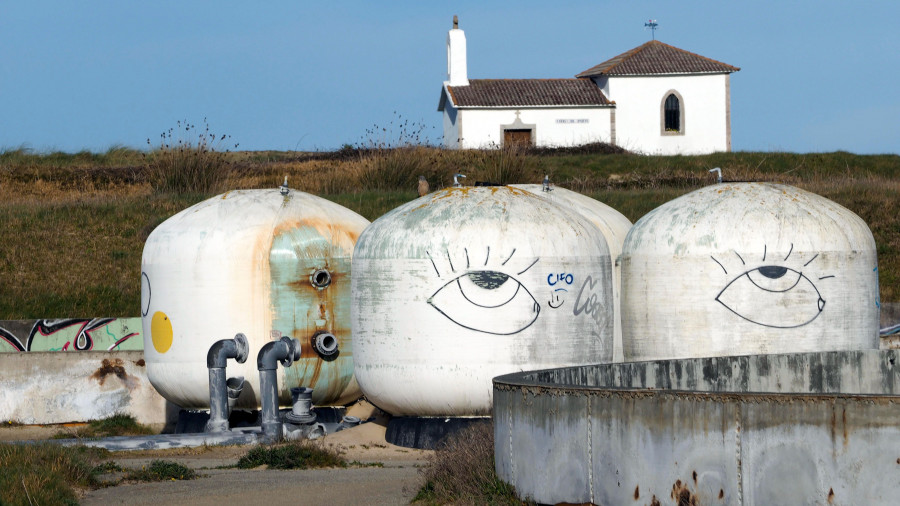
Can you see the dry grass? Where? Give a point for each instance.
(74, 225)
(188, 159)
(461, 471)
(46, 473)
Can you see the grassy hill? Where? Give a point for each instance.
(73, 225)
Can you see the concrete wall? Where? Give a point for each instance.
(811, 428)
(483, 128)
(639, 113)
(49, 388)
(71, 334)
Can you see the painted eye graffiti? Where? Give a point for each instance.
(487, 301)
(773, 296)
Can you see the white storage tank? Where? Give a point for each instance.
(748, 268)
(257, 262)
(462, 285)
(614, 226)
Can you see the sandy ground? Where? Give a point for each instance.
(394, 479)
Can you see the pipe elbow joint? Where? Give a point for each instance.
(219, 353)
(286, 350)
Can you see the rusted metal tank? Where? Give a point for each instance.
(745, 268)
(614, 226)
(264, 263)
(463, 284)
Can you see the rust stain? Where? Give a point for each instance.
(107, 367)
(833, 427)
(694, 475)
(654, 501)
(721, 494)
(336, 234)
(637, 493)
(844, 419)
(140, 363)
(830, 495)
(682, 495)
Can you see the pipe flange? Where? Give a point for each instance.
(305, 419)
(293, 351)
(325, 344)
(320, 278)
(243, 348)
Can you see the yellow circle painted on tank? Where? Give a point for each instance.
(161, 332)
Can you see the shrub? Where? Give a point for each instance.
(116, 425)
(461, 471)
(188, 160)
(299, 455)
(162, 470)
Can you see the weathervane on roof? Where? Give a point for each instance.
(652, 24)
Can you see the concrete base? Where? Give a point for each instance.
(426, 433)
(60, 387)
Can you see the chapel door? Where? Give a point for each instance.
(519, 138)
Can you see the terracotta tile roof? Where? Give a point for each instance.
(656, 57)
(527, 92)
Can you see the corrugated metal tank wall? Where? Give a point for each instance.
(464, 284)
(249, 261)
(748, 268)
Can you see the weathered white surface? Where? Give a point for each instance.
(463, 284)
(810, 428)
(241, 262)
(639, 112)
(614, 226)
(60, 387)
(456, 58)
(746, 268)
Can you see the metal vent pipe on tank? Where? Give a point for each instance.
(286, 350)
(219, 391)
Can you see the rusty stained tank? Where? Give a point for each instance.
(261, 263)
(614, 226)
(748, 268)
(461, 285)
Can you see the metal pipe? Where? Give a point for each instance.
(325, 344)
(234, 386)
(301, 410)
(285, 350)
(216, 360)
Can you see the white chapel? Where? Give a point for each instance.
(655, 99)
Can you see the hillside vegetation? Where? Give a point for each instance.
(73, 225)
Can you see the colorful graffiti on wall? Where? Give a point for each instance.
(100, 334)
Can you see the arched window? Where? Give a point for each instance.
(672, 114)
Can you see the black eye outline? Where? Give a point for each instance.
(773, 282)
(507, 314)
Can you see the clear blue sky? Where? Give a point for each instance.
(815, 76)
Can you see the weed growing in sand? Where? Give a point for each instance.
(116, 425)
(161, 470)
(294, 455)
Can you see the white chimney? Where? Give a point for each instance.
(456, 56)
